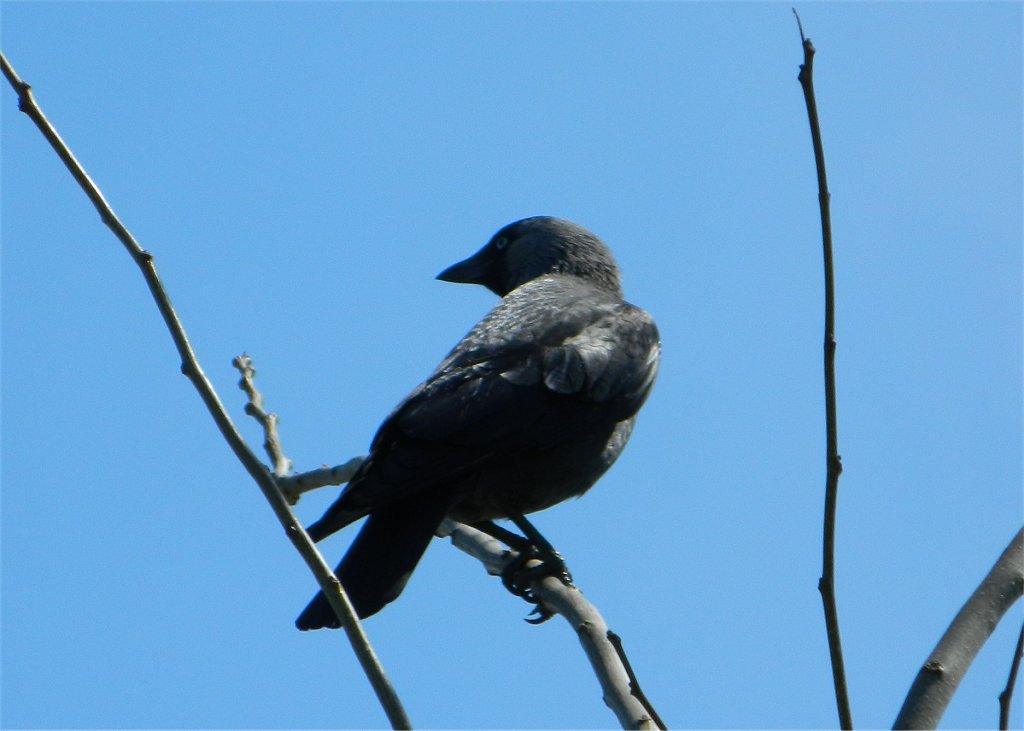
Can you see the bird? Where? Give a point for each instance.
(529, 409)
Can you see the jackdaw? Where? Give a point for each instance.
(527, 410)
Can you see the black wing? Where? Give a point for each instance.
(553, 357)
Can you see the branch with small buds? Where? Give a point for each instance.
(293, 486)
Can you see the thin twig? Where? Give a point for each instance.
(291, 486)
(634, 684)
(569, 602)
(1006, 697)
(941, 673)
(254, 408)
(834, 466)
(294, 485)
(191, 368)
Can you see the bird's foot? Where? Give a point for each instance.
(532, 565)
(535, 559)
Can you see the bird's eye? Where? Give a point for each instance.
(500, 243)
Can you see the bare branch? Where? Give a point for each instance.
(833, 464)
(295, 485)
(569, 602)
(941, 673)
(1006, 697)
(291, 485)
(190, 367)
(271, 439)
(634, 683)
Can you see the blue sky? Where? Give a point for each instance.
(301, 171)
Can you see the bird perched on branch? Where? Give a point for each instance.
(527, 410)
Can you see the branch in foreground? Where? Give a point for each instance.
(190, 367)
(590, 626)
(833, 465)
(945, 667)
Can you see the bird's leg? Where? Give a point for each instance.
(552, 563)
(510, 539)
(517, 575)
(525, 551)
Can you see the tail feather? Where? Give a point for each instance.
(332, 521)
(380, 560)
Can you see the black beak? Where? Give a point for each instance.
(473, 270)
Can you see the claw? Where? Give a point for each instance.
(517, 577)
(543, 615)
(510, 576)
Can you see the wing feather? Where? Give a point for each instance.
(543, 365)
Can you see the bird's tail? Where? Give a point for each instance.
(380, 560)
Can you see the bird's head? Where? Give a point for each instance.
(533, 247)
